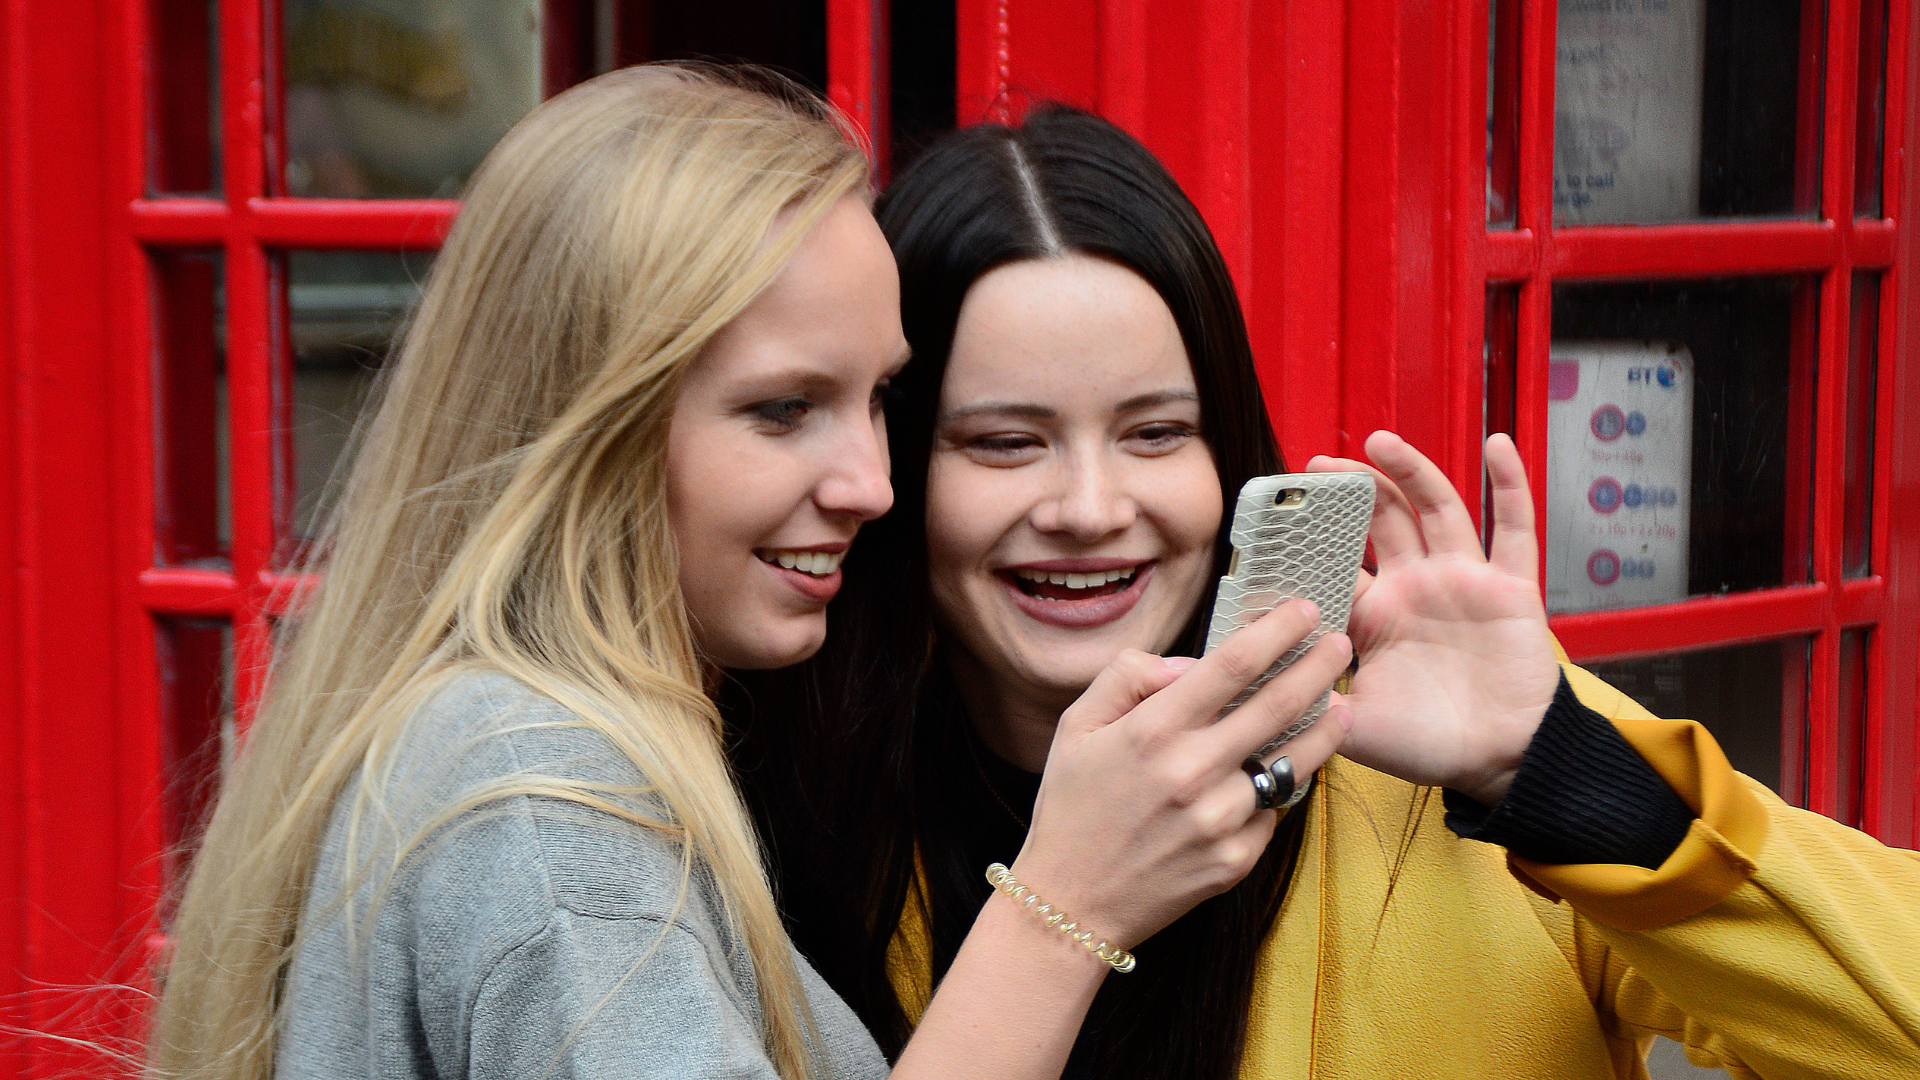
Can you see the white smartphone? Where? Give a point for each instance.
(1295, 536)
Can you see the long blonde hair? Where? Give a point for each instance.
(506, 511)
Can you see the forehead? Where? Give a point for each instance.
(834, 305)
(1075, 327)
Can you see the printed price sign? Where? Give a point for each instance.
(1619, 474)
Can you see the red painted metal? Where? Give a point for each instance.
(1295, 187)
(1338, 152)
(78, 776)
(858, 62)
(377, 225)
(15, 485)
(1892, 803)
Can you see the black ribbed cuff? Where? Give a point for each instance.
(1581, 795)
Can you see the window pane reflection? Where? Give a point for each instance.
(1503, 109)
(1678, 440)
(195, 661)
(1862, 398)
(346, 307)
(1870, 109)
(1746, 695)
(1850, 748)
(401, 98)
(192, 522)
(184, 141)
(1667, 110)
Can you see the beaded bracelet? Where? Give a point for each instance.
(1002, 880)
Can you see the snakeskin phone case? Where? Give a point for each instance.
(1295, 536)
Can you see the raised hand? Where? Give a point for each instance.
(1457, 667)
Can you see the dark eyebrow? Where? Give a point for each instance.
(1025, 411)
(1154, 398)
(1000, 408)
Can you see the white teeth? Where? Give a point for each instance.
(817, 563)
(1092, 580)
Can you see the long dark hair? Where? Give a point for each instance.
(855, 762)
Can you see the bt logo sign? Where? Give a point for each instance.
(1662, 375)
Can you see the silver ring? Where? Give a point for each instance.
(1283, 781)
(1265, 792)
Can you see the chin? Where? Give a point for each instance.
(1070, 675)
(778, 646)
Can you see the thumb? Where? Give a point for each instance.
(1131, 678)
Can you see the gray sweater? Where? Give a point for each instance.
(531, 938)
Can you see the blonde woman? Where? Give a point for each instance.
(484, 825)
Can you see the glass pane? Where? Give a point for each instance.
(1746, 695)
(191, 517)
(1850, 770)
(1503, 109)
(345, 308)
(1679, 440)
(184, 143)
(402, 98)
(196, 728)
(1862, 396)
(1668, 110)
(790, 35)
(1871, 123)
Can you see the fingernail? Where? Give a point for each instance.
(1178, 663)
(1345, 643)
(1342, 716)
(1311, 610)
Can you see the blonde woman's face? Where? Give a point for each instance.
(777, 452)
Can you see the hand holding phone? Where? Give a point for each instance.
(1295, 536)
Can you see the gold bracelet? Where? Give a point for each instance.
(1002, 880)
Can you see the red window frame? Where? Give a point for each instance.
(1534, 254)
(1338, 152)
(1344, 174)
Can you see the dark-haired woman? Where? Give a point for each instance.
(1081, 409)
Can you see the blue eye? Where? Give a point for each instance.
(784, 414)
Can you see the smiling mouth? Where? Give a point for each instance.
(815, 563)
(1058, 586)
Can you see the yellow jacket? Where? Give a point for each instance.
(1772, 943)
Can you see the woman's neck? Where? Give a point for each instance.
(1016, 722)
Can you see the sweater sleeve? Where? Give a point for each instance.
(577, 1001)
(1771, 942)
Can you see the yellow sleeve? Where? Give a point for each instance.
(1773, 942)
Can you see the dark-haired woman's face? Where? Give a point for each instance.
(1071, 503)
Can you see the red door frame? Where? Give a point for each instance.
(1340, 169)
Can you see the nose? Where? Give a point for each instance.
(1091, 503)
(856, 483)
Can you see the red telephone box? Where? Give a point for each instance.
(1629, 234)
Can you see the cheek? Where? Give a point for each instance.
(969, 510)
(1190, 512)
(949, 547)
